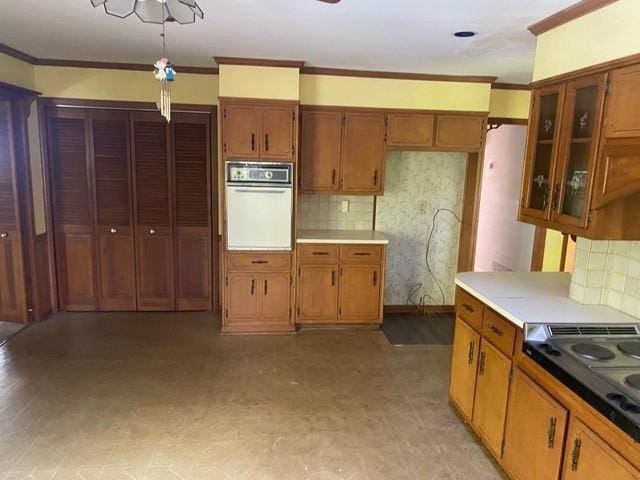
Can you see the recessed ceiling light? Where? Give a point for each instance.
(464, 34)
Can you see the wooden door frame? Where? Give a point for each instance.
(212, 110)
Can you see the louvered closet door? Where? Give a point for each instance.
(191, 152)
(152, 211)
(72, 213)
(12, 284)
(113, 209)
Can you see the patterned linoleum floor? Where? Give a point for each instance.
(157, 396)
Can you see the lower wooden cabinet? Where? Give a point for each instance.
(275, 296)
(318, 293)
(492, 392)
(535, 432)
(360, 293)
(464, 367)
(588, 457)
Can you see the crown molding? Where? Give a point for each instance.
(510, 86)
(12, 52)
(340, 72)
(583, 7)
(259, 62)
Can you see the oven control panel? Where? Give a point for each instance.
(254, 172)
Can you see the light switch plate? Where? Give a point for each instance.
(345, 206)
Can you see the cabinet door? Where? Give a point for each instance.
(362, 169)
(12, 281)
(581, 122)
(153, 212)
(459, 132)
(240, 131)
(192, 211)
(492, 391)
(588, 457)
(410, 130)
(277, 132)
(317, 291)
(542, 146)
(242, 298)
(114, 209)
(72, 210)
(535, 432)
(275, 289)
(360, 294)
(464, 365)
(320, 147)
(622, 119)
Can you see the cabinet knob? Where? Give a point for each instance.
(113, 230)
(4, 235)
(152, 231)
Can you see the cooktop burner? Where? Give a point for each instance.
(593, 352)
(632, 349)
(633, 381)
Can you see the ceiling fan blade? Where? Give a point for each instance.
(330, 1)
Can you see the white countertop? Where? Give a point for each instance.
(535, 297)
(341, 236)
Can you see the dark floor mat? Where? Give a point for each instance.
(8, 330)
(419, 329)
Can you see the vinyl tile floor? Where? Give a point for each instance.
(162, 396)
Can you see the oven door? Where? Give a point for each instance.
(259, 217)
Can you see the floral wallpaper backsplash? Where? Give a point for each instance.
(607, 273)
(324, 212)
(416, 185)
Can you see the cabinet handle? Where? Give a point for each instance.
(266, 142)
(575, 454)
(253, 286)
(605, 180)
(266, 287)
(545, 198)
(375, 177)
(496, 330)
(482, 360)
(333, 176)
(555, 197)
(320, 253)
(375, 278)
(468, 307)
(4, 235)
(471, 350)
(362, 254)
(253, 142)
(333, 278)
(551, 432)
(152, 231)
(113, 230)
(259, 262)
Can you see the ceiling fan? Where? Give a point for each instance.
(329, 1)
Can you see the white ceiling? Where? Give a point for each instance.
(388, 35)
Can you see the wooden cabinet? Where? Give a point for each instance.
(340, 284)
(460, 132)
(257, 294)
(259, 130)
(464, 367)
(342, 151)
(492, 392)
(12, 284)
(409, 130)
(623, 116)
(588, 457)
(535, 432)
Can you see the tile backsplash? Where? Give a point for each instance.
(607, 273)
(324, 212)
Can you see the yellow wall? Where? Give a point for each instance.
(509, 103)
(552, 252)
(259, 82)
(123, 85)
(392, 93)
(605, 34)
(16, 72)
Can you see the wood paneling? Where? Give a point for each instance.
(410, 130)
(193, 268)
(464, 366)
(76, 268)
(318, 293)
(7, 171)
(460, 132)
(42, 304)
(362, 166)
(321, 147)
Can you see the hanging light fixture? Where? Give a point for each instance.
(153, 11)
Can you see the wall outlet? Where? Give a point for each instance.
(345, 206)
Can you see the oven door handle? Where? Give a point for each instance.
(258, 190)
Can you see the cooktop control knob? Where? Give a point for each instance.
(268, 174)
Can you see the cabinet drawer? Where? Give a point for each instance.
(259, 262)
(318, 253)
(361, 253)
(469, 309)
(499, 332)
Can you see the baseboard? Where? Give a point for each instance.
(419, 309)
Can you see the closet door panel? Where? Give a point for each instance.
(114, 216)
(72, 211)
(191, 147)
(152, 211)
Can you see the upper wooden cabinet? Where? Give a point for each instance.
(582, 167)
(460, 132)
(320, 150)
(362, 163)
(259, 130)
(410, 130)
